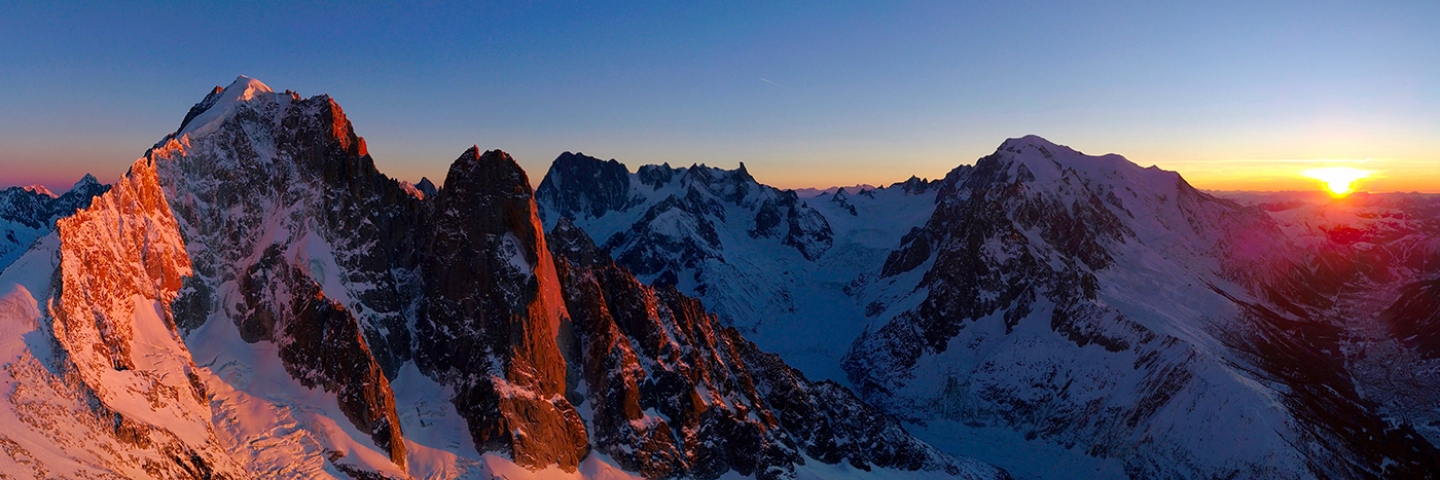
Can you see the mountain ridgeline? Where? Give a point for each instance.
(253, 299)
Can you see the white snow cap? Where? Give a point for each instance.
(1038, 143)
(86, 180)
(243, 90)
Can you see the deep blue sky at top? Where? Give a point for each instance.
(805, 93)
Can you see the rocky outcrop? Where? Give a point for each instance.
(320, 345)
(676, 210)
(489, 322)
(678, 226)
(583, 185)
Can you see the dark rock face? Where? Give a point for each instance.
(1415, 317)
(691, 202)
(675, 395)
(320, 345)
(586, 185)
(199, 108)
(492, 311)
(651, 252)
(427, 187)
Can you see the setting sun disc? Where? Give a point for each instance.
(1340, 181)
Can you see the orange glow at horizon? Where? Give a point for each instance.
(1339, 180)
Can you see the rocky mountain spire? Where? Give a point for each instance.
(492, 313)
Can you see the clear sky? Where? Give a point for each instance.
(1238, 95)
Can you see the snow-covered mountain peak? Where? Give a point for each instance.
(708, 175)
(39, 189)
(420, 190)
(1112, 199)
(85, 182)
(29, 213)
(220, 104)
(246, 88)
(1045, 162)
(1034, 142)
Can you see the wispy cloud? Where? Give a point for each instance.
(766, 80)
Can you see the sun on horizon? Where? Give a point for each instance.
(1339, 181)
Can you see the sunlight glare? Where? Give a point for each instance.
(1339, 180)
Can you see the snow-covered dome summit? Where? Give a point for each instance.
(222, 103)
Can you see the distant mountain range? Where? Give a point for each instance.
(28, 213)
(815, 192)
(254, 299)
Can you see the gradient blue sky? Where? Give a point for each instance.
(1232, 95)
